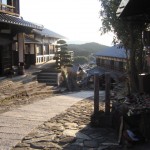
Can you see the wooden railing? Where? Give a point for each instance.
(8, 9)
(44, 58)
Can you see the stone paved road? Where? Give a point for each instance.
(71, 130)
(16, 124)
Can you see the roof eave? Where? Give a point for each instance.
(122, 7)
(135, 10)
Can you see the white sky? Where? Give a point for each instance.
(78, 20)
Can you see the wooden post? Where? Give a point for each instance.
(141, 90)
(107, 93)
(96, 93)
(21, 48)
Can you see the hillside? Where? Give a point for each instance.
(97, 49)
(86, 49)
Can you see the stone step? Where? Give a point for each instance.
(37, 87)
(5, 84)
(46, 77)
(8, 101)
(29, 79)
(43, 80)
(48, 73)
(18, 90)
(49, 83)
(24, 78)
(17, 87)
(52, 84)
(31, 84)
(40, 92)
(42, 89)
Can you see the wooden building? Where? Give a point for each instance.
(22, 43)
(12, 31)
(40, 46)
(112, 58)
(137, 12)
(134, 11)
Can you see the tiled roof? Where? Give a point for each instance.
(113, 51)
(121, 7)
(48, 33)
(30, 40)
(135, 10)
(5, 18)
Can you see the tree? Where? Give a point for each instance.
(127, 33)
(80, 60)
(63, 56)
(64, 60)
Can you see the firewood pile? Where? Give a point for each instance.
(136, 104)
(135, 111)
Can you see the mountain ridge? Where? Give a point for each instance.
(97, 49)
(87, 48)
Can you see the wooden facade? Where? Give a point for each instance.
(39, 49)
(12, 31)
(44, 51)
(10, 7)
(15, 49)
(113, 58)
(38, 52)
(138, 12)
(6, 34)
(117, 64)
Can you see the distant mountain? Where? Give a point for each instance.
(77, 42)
(96, 49)
(87, 48)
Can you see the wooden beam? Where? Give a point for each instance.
(10, 13)
(8, 6)
(107, 93)
(96, 93)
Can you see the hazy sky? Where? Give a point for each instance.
(78, 20)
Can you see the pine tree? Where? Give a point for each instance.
(63, 57)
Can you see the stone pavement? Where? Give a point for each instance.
(71, 130)
(16, 124)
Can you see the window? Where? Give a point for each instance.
(39, 50)
(27, 49)
(46, 50)
(7, 5)
(7, 2)
(4, 2)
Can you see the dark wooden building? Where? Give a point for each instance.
(44, 46)
(12, 31)
(113, 58)
(39, 47)
(134, 10)
(137, 12)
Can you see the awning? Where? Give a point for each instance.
(5, 18)
(135, 9)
